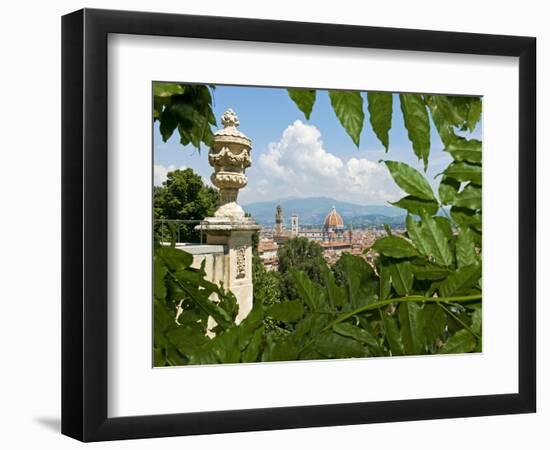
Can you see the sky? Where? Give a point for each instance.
(295, 157)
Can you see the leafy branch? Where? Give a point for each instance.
(410, 298)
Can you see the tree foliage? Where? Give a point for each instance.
(422, 295)
(302, 254)
(187, 108)
(268, 292)
(184, 196)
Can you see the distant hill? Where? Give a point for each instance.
(313, 210)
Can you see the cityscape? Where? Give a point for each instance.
(334, 236)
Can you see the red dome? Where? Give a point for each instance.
(334, 220)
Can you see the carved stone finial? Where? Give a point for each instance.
(230, 119)
(230, 157)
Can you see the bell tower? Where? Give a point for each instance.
(279, 221)
(294, 228)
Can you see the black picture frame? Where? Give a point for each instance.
(84, 224)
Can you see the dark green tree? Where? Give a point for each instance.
(301, 254)
(268, 292)
(184, 196)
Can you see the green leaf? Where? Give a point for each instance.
(254, 348)
(187, 338)
(449, 109)
(448, 189)
(414, 230)
(357, 333)
(222, 318)
(249, 325)
(466, 217)
(336, 294)
(415, 205)
(474, 113)
(164, 317)
(392, 335)
(280, 350)
(204, 355)
(159, 103)
(160, 272)
(465, 248)
(385, 279)
(434, 239)
(460, 342)
(435, 321)
(476, 320)
(380, 110)
(333, 345)
(311, 293)
(348, 106)
(445, 225)
(187, 108)
(167, 89)
(444, 128)
(193, 125)
(469, 197)
(159, 359)
(168, 123)
(417, 122)
(194, 278)
(429, 272)
(410, 180)
(402, 277)
(304, 99)
(361, 285)
(461, 281)
(462, 171)
(289, 311)
(174, 258)
(310, 325)
(309, 353)
(465, 150)
(412, 328)
(185, 113)
(225, 347)
(229, 304)
(395, 247)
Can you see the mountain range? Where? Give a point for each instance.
(313, 210)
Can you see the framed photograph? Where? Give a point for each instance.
(274, 225)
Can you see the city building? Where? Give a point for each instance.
(280, 234)
(333, 237)
(294, 228)
(333, 227)
(267, 252)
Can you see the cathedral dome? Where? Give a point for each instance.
(333, 219)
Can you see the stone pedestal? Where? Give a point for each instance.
(236, 238)
(230, 157)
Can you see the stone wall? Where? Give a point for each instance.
(228, 261)
(216, 266)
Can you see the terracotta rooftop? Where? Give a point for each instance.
(267, 245)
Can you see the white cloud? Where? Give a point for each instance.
(300, 153)
(371, 180)
(160, 172)
(299, 165)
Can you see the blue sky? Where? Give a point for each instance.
(295, 157)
